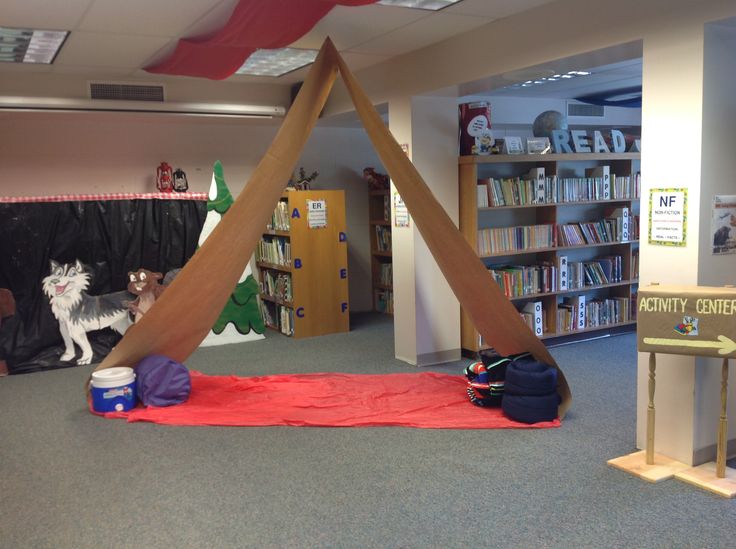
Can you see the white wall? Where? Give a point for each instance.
(718, 169)
(426, 312)
(62, 153)
(402, 243)
(515, 112)
(434, 142)
(672, 106)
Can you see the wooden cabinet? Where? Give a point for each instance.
(552, 214)
(303, 265)
(379, 214)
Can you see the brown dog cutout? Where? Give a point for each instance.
(144, 284)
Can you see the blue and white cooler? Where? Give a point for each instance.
(113, 390)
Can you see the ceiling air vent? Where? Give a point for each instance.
(583, 109)
(126, 92)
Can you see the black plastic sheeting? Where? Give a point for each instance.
(111, 237)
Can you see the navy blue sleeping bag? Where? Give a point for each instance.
(162, 381)
(530, 391)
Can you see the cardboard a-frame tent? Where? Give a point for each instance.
(186, 312)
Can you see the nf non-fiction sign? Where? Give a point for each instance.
(667, 216)
(687, 320)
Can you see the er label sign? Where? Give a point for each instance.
(317, 213)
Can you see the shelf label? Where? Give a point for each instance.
(401, 212)
(297, 263)
(343, 273)
(295, 213)
(342, 237)
(300, 312)
(563, 273)
(317, 214)
(667, 216)
(344, 306)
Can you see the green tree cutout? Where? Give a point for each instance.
(242, 308)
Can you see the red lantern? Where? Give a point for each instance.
(164, 178)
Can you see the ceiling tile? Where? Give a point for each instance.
(349, 26)
(356, 61)
(211, 21)
(162, 17)
(421, 33)
(108, 50)
(495, 9)
(42, 14)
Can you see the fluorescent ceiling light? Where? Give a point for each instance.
(60, 104)
(545, 79)
(624, 96)
(29, 45)
(433, 5)
(277, 62)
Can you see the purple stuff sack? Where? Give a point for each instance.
(162, 381)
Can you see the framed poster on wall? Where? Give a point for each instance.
(723, 224)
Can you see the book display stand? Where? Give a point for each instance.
(379, 214)
(685, 320)
(559, 234)
(302, 265)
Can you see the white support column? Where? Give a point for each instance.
(718, 178)
(426, 312)
(671, 157)
(688, 124)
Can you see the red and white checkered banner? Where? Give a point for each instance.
(108, 196)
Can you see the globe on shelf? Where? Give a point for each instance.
(548, 121)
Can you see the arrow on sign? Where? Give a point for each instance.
(724, 344)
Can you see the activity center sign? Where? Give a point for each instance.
(687, 320)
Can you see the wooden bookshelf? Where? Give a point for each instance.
(316, 264)
(474, 218)
(379, 214)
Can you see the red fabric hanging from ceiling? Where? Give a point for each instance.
(425, 400)
(254, 24)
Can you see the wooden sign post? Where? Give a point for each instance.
(686, 320)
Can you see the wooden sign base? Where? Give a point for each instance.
(704, 476)
(662, 468)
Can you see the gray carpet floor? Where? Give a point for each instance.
(71, 479)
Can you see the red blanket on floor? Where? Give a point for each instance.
(426, 400)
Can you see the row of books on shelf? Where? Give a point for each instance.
(276, 285)
(504, 239)
(621, 228)
(635, 262)
(386, 274)
(576, 313)
(383, 301)
(537, 188)
(383, 238)
(278, 317)
(564, 275)
(275, 250)
(613, 229)
(386, 208)
(280, 217)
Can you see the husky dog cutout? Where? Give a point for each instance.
(78, 312)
